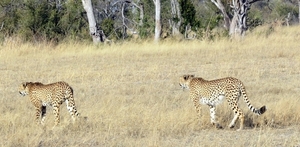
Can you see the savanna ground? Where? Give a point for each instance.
(130, 96)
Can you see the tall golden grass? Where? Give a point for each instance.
(130, 96)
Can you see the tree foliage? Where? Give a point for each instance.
(73, 21)
(188, 13)
(40, 20)
(36, 20)
(9, 16)
(107, 25)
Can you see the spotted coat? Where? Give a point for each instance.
(213, 92)
(53, 95)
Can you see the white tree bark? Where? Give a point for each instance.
(128, 25)
(97, 35)
(141, 7)
(157, 20)
(175, 10)
(299, 10)
(237, 25)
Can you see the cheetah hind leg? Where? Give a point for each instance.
(237, 115)
(72, 110)
(213, 117)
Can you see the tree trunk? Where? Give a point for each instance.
(141, 14)
(233, 25)
(175, 24)
(237, 26)
(97, 35)
(299, 10)
(157, 21)
(241, 8)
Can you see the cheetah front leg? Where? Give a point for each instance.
(198, 107)
(56, 114)
(213, 120)
(38, 111)
(37, 114)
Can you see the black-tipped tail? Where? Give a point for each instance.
(261, 111)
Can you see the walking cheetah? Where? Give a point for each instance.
(53, 94)
(213, 92)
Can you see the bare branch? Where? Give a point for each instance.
(2, 26)
(126, 1)
(216, 4)
(221, 7)
(253, 1)
(97, 35)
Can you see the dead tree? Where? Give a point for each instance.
(117, 11)
(176, 17)
(221, 7)
(132, 30)
(97, 35)
(236, 25)
(299, 10)
(141, 7)
(157, 20)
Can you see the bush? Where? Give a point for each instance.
(254, 19)
(42, 20)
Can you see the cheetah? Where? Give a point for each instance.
(53, 94)
(214, 92)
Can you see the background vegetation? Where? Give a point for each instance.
(130, 94)
(127, 92)
(44, 20)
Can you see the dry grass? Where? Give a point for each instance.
(131, 97)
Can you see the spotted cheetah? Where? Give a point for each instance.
(53, 94)
(213, 92)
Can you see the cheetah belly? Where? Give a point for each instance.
(214, 100)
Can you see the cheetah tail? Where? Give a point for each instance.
(259, 111)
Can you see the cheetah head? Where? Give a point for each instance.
(23, 89)
(184, 81)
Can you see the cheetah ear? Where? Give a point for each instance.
(25, 84)
(189, 76)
